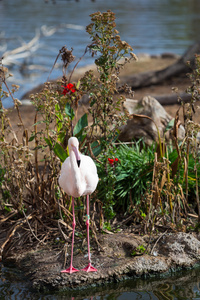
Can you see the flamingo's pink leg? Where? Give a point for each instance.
(89, 267)
(71, 269)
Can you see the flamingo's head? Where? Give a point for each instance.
(73, 145)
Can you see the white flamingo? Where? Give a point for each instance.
(78, 178)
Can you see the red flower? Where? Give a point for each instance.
(68, 88)
(112, 161)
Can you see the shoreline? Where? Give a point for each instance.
(172, 253)
(167, 253)
(146, 63)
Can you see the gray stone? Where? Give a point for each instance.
(138, 127)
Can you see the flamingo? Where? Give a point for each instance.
(78, 177)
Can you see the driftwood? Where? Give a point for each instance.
(172, 98)
(15, 57)
(24, 51)
(154, 77)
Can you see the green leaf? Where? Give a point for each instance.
(96, 148)
(94, 48)
(7, 208)
(169, 125)
(69, 111)
(40, 122)
(57, 107)
(81, 124)
(61, 136)
(31, 138)
(81, 137)
(93, 101)
(60, 152)
(49, 142)
(122, 176)
(59, 126)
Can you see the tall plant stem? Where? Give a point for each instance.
(168, 180)
(197, 190)
(16, 105)
(36, 150)
(186, 171)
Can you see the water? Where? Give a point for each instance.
(185, 285)
(148, 26)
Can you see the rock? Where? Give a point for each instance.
(145, 264)
(182, 248)
(142, 127)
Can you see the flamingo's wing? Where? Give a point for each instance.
(88, 174)
(65, 179)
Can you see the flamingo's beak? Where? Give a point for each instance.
(78, 162)
(77, 154)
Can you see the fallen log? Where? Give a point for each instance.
(172, 98)
(154, 77)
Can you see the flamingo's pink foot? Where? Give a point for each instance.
(70, 270)
(89, 268)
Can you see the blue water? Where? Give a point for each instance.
(149, 26)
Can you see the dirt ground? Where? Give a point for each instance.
(118, 260)
(143, 65)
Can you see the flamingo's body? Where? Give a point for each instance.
(78, 178)
(78, 181)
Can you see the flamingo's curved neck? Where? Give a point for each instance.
(73, 159)
(75, 169)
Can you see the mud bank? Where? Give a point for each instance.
(119, 258)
